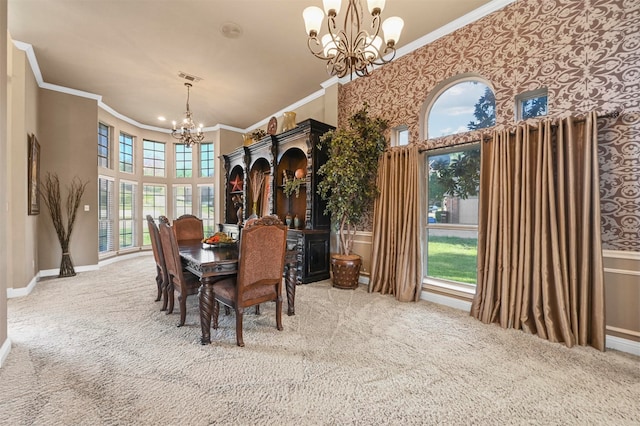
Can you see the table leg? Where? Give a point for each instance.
(206, 309)
(290, 284)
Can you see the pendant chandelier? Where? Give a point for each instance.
(351, 49)
(188, 133)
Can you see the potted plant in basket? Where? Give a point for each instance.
(349, 185)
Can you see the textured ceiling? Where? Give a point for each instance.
(130, 52)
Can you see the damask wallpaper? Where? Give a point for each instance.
(586, 53)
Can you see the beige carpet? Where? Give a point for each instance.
(95, 350)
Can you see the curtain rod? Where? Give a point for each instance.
(486, 138)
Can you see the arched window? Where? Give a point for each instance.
(459, 106)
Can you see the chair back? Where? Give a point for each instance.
(262, 253)
(158, 255)
(172, 257)
(188, 227)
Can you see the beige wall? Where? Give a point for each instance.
(622, 293)
(4, 183)
(67, 132)
(23, 259)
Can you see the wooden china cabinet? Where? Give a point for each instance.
(277, 156)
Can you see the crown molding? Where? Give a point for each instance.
(470, 17)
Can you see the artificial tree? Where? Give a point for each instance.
(348, 183)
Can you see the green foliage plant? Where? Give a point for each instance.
(348, 182)
(292, 186)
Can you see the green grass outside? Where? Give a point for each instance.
(453, 258)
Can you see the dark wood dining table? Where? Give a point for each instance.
(217, 262)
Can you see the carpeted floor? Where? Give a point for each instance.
(95, 350)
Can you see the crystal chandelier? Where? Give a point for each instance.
(187, 133)
(351, 49)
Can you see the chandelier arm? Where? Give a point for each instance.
(381, 60)
(318, 54)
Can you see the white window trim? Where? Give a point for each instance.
(438, 90)
(173, 196)
(135, 221)
(133, 155)
(525, 96)
(114, 214)
(441, 285)
(395, 134)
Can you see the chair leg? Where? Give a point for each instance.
(171, 296)
(165, 297)
(279, 313)
(258, 309)
(239, 314)
(216, 312)
(159, 284)
(183, 310)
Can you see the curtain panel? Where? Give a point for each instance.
(396, 258)
(540, 266)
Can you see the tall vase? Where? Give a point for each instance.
(66, 265)
(289, 121)
(254, 208)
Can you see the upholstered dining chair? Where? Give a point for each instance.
(181, 281)
(162, 280)
(259, 278)
(188, 227)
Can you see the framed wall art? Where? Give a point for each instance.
(34, 175)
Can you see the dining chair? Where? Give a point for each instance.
(180, 280)
(188, 227)
(162, 280)
(259, 279)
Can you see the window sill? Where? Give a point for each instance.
(458, 290)
(129, 250)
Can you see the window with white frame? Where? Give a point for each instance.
(127, 214)
(182, 200)
(105, 214)
(400, 136)
(126, 153)
(206, 160)
(531, 104)
(153, 158)
(104, 146)
(184, 161)
(463, 105)
(451, 234)
(154, 203)
(205, 195)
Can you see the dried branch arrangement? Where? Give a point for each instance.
(50, 190)
(256, 180)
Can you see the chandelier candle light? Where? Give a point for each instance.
(351, 49)
(188, 133)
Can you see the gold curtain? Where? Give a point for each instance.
(396, 260)
(539, 242)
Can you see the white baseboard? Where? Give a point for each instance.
(622, 345)
(612, 342)
(124, 257)
(25, 291)
(55, 272)
(4, 351)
